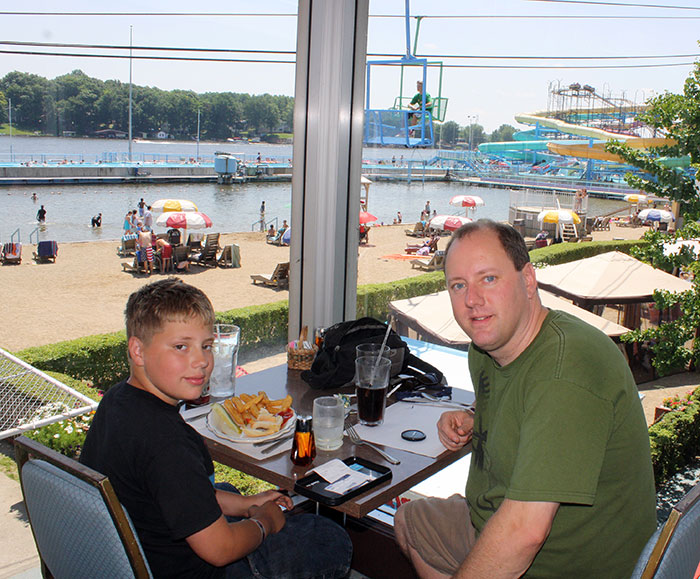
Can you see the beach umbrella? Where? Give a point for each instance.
(184, 220)
(366, 217)
(448, 222)
(558, 216)
(656, 215)
(467, 201)
(635, 198)
(163, 205)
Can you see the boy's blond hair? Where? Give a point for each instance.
(168, 300)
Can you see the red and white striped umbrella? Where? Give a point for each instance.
(448, 222)
(467, 201)
(366, 217)
(184, 220)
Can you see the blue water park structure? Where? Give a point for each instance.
(401, 125)
(568, 140)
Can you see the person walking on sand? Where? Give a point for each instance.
(41, 215)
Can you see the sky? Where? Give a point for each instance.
(489, 92)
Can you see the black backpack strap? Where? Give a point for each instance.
(414, 365)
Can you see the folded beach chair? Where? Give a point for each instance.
(279, 278)
(12, 253)
(435, 262)
(230, 256)
(46, 251)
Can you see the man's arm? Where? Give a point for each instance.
(510, 540)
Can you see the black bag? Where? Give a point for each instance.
(334, 365)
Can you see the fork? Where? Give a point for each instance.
(355, 438)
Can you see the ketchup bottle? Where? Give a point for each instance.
(304, 445)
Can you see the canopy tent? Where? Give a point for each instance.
(609, 278)
(430, 318)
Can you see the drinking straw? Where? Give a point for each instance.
(379, 356)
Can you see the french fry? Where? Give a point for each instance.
(254, 410)
(246, 397)
(254, 400)
(238, 403)
(230, 407)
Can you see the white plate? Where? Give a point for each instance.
(244, 438)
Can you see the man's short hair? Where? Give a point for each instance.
(511, 240)
(168, 300)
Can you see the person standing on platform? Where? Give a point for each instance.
(561, 482)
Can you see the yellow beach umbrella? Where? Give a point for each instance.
(164, 205)
(635, 198)
(559, 216)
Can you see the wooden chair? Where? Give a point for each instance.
(128, 245)
(79, 526)
(11, 253)
(417, 231)
(672, 551)
(230, 256)
(181, 255)
(435, 262)
(279, 278)
(207, 257)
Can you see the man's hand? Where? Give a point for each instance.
(455, 429)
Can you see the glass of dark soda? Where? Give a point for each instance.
(371, 381)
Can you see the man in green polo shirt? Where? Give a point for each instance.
(560, 483)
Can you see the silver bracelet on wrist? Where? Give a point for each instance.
(263, 532)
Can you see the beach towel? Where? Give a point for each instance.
(12, 251)
(47, 249)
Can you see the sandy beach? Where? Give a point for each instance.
(84, 292)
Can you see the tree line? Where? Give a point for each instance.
(82, 104)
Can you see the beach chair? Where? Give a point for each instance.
(212, 240)
(194, 241)
(435, 262)
(128, 245)
(12, 253)
(277, 239)
(672, 551)
(279, 278)
(230, 256)
(181, 255)
(417, 231)
(206, 257)
(46, 251)
(79, 526)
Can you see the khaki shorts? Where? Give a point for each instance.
(440, 530)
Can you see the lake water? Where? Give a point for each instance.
(231, 207)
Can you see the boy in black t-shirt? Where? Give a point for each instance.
(162, 472)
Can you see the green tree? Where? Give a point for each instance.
(449, 132)
(27, 92)
(676, 116)
(503, 133)
(474, 134)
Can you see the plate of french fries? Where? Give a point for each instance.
(251, 417)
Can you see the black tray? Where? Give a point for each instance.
(314, 487)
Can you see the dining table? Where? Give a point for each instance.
(278, 469)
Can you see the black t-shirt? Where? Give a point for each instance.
(162, 473)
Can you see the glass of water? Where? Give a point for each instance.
(328, 420)
(222, 383)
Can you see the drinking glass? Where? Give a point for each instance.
(328, 417)
(373, 350)
(372, 382)
(222, 383)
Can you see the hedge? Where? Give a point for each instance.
(675, 440)
(566, 252)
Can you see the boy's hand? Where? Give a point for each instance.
(269, 514)
(277, 497)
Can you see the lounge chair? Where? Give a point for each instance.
(12, 253)
(128, 246)
(46, 251)
(230, 256)
(181, 255)
(279, 278)
(212, 239)
(435, 262)
(277, 239)
(414, 247)
(206, 257)
(79, 526)
(194, 241)
(417, 231)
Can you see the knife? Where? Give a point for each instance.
(277, 443)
